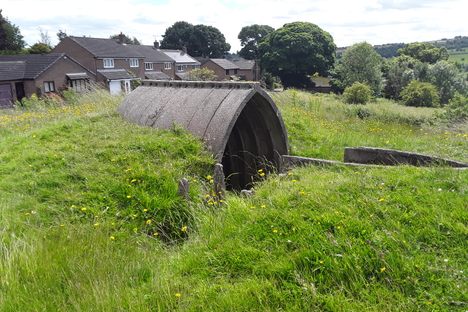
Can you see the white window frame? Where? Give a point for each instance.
(108, 63)
(167, 65)
(149, 66)
(134, 62)
(49, 86)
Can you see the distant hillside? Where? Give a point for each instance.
(456, 44)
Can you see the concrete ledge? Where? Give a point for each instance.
(294, 161)
(388, 157)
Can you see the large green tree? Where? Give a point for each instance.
(360, 63)
(250, 38)
(11, 40)
(424, 52)
(199, 40)
(297, 50)
(448, 80)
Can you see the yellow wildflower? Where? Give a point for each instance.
(148, 221)
(184, 229)
(178, 295)
(129, 196)
(145, 210)
(263, 206)
(112, 237)
(84, 209)
(382, 269)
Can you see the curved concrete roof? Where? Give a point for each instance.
(209, 110)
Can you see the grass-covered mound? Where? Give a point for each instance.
(90, 219)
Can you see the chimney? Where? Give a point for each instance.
(121, 38)
(184, 50)
(156, 44)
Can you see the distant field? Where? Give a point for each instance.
(459, 56)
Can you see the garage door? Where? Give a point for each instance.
(6, 97)
(114, 87)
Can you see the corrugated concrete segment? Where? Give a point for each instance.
(238, 122)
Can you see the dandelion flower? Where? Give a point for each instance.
(148, 221)
(184, 228)
(178, 295)
(112, 237)
(129, 196)
(382, 269)
(145, 210)
(84, 209)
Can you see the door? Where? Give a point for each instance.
(19, 86)
(114, 87)
(6, 96)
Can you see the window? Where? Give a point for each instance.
(79, 85)
(49, 86)
(167, 65)
(148, 66)
(227, 72)
(108, 63)
(180, 68)
(235, 71)
(134, 62)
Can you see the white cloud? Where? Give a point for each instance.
(375, 21)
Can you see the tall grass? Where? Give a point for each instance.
(315, 239)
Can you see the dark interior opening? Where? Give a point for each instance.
(253, 146)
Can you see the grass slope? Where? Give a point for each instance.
(90, 219)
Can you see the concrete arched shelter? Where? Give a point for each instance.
(239, 122)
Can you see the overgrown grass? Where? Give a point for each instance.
(321, 126)
(330, 239)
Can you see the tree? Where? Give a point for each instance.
(357, 93)
(11, 40)
(360, 63)
(250, 38)
(201, 74)
(199, 40)
(398, 73)
(448, 80)
(297, 50)
(122, 38)
(61, 35)
(39, 48)
(424, 52)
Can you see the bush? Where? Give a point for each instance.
(418, 93)
(357, 93)
(457, 109)
(202, 74)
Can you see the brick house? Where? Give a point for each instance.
(114, 64)
(24, 75)
(248, 69)
(184, 63)
(157, 64)
(223, 69)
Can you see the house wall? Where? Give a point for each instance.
(247, 73)
(123, 63)
(218, 70)
(77, 52)
(56, 73)
(169, 72)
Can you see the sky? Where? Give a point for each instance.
(352, 21)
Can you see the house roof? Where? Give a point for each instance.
(156, 75)
(100, 47)
(244, 64)
(180, 57)
(225, 64)
(115, 74)
(28, 66)
(150, 53)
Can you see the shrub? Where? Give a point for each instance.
(457, 109)
(201, 74)
(418, 93)
(357, 93)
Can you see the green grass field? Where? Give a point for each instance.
(90, 219)
(459, 56)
